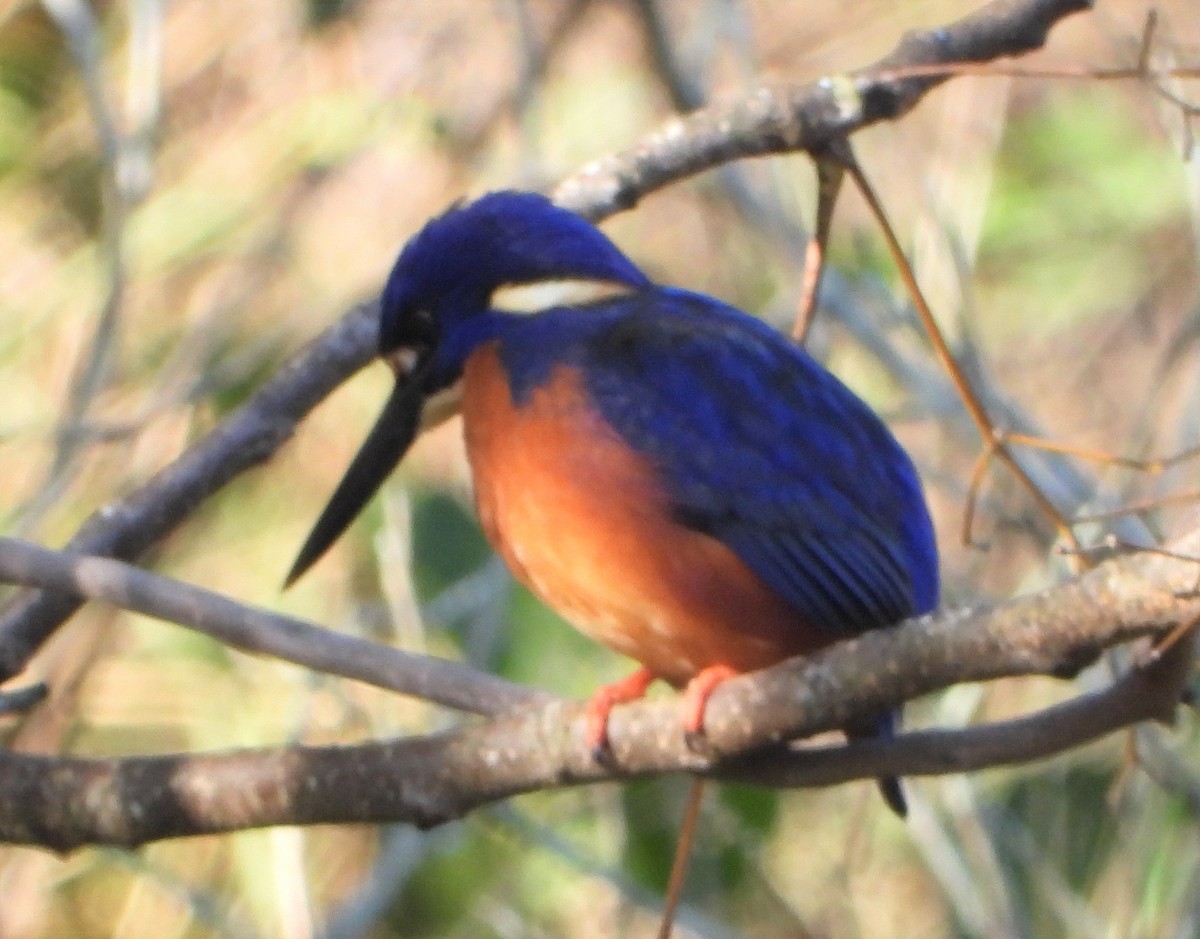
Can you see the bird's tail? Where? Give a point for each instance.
(889, 786)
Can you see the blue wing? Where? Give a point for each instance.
(762, 448)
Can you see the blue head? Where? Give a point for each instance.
(448, 272)
(435, 309)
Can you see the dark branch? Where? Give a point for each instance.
(20, 700)
(793, 119)
(65, 802)
(255, 630)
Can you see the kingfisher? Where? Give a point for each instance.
(673, 476)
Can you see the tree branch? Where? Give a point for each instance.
(792, 119)
(63, 802)
(250, 629)
(810, 117)
(130, 526)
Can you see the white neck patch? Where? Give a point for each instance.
(543, 294)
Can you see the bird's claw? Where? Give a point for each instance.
(602, 752)
(696, 741)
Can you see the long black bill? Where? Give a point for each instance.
(384, 447)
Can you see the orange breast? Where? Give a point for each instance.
(582, 520)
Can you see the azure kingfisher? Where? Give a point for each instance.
(677, 479)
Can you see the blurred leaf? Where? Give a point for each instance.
(732, 865)
(447, 542)
(76, 181)
(755, 807)
(17, 130)
(33, 58)
(321, 130)
(321, 13)
(543, 651)
(1074, 191)
(649, 849)
(444, 888)
(184, 221)
(1065, 830)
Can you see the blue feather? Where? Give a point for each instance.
(758, 445)
(755, 443)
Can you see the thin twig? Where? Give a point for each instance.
(993, 439)
(256, 630)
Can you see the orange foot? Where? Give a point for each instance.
(600, 705)
(695, 700)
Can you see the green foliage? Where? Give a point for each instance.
(33, 63)
(442, 891)
(755, 809)
(458, 546)
(1055, 824)
(1076, 199)
(650, 810)
(17, 130)
(320, 14)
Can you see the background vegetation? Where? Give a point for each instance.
(190, 191)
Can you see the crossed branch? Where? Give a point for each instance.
(531, 740)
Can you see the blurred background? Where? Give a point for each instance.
(190, 191)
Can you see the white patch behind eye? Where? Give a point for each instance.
(543, 294)
(402, 361)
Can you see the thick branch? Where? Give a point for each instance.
(764, 122)
(64, 802)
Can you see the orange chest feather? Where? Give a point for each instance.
(585, 523)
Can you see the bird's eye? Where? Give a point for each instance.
(405, 326)
(420, 325)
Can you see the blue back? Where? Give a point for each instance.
(758, 445)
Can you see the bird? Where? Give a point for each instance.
(676, 478)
